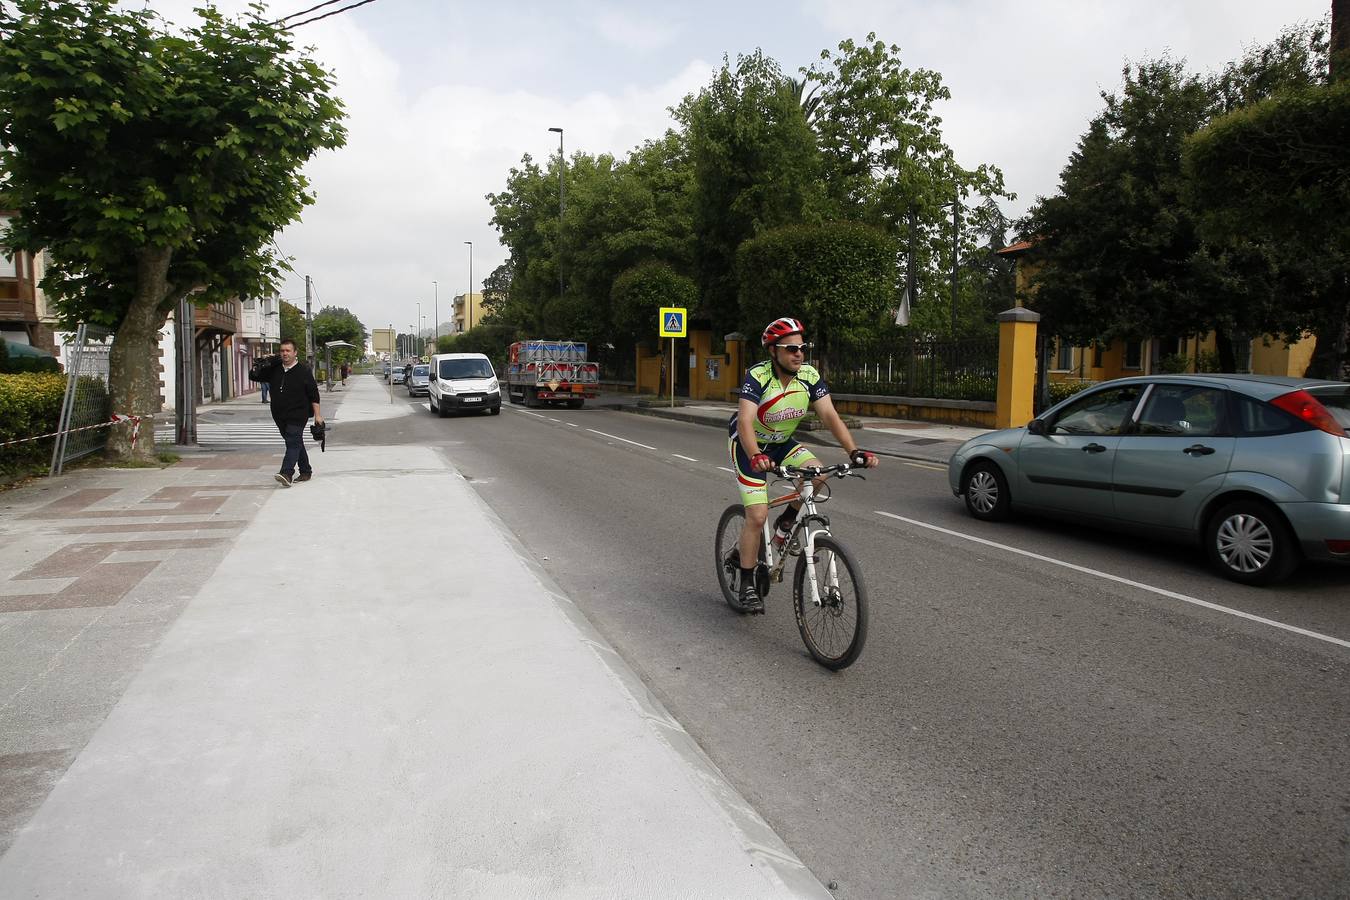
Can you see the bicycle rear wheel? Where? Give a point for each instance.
(727, 548)
(835, 631)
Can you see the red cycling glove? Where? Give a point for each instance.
(761, 462)
(862, 458)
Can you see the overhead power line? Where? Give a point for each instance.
(326, 15)
(296, 15)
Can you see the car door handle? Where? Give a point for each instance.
(1198, 450)
(1093, 448)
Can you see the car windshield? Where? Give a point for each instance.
(466, 368)
(422, 370)
(1337, 402)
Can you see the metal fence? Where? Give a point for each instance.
(940, 370)
(85, 406)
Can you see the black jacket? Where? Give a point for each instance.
(292, 394)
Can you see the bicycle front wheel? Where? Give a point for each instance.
(728, 549)
(835, 630)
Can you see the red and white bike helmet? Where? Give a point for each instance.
(781, 328)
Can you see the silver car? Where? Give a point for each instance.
(417, 380)
(1256, 468)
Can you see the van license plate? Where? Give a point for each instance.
(473, 399)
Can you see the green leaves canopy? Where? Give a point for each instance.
(152, 165)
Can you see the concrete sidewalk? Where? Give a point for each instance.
(212, 686)
(902, 438)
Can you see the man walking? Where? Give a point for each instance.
(294, 397)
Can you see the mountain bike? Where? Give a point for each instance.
(828, 593)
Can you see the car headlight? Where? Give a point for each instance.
(493, 387)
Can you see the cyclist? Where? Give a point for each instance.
(774, 397)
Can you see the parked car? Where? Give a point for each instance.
(417, 380)
(463, 381)
(399, 375)
(1255, 468)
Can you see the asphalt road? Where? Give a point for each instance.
(1015, 727)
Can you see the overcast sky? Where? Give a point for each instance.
(444, 97)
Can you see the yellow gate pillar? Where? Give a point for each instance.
(1016, 367)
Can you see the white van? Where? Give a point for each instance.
(462, 381)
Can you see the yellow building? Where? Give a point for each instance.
(468, 315)
(1264, 355)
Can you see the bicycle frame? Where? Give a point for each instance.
(810, 523)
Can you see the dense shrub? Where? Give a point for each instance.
(30, 404)
(1060, 390)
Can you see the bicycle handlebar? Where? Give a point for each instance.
(841, 470)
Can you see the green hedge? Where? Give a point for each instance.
(30, 404)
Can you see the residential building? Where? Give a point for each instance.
(20, 320)
(467, 315)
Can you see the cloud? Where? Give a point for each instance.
(623, 28)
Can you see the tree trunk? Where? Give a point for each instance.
(1331, 356)
(133, 377)
(1224, 345)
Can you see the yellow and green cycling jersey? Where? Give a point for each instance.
(778, 409)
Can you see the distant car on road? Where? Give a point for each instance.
(399, 375)
(1256, 468)
(417, 380)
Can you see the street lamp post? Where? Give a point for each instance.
(436, 308)
(468, 298)
(562, 206)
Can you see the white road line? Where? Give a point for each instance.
(725, 469)
(1162, 592)
(551, 419)
(617, 438)
(572, 424)
(526, 412)
(930, 468)
(682, 456)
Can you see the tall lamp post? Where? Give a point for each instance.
(562, 206)
(420, 320)
(468, 298)
(436, 308)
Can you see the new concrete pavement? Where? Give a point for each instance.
(358, 686)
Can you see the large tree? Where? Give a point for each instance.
(756, 166)
(153, 165)
(1271, 180)
(337, 323)
(888, 164)
(1119, 249)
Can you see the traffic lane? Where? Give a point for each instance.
(993, 716)
(1315, 598)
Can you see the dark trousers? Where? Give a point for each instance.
(294, 435)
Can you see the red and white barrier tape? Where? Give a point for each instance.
(116, 419)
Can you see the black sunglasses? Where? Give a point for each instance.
(794, 348)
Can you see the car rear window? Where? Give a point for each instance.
(421, 370)
(1337, 402)
(1257, 419)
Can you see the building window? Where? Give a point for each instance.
(7, 267)
(1063, 356)
(1134, 355)
(1242, 354)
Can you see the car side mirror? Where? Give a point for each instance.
(1037, 426)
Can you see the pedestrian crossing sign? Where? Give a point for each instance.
(672, 321)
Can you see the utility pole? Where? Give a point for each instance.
(185, 389)
(309, 327)
(436, 312)
(562, 206)
(956, 252)
(468, 298)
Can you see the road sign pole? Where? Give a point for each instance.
(672, 373)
